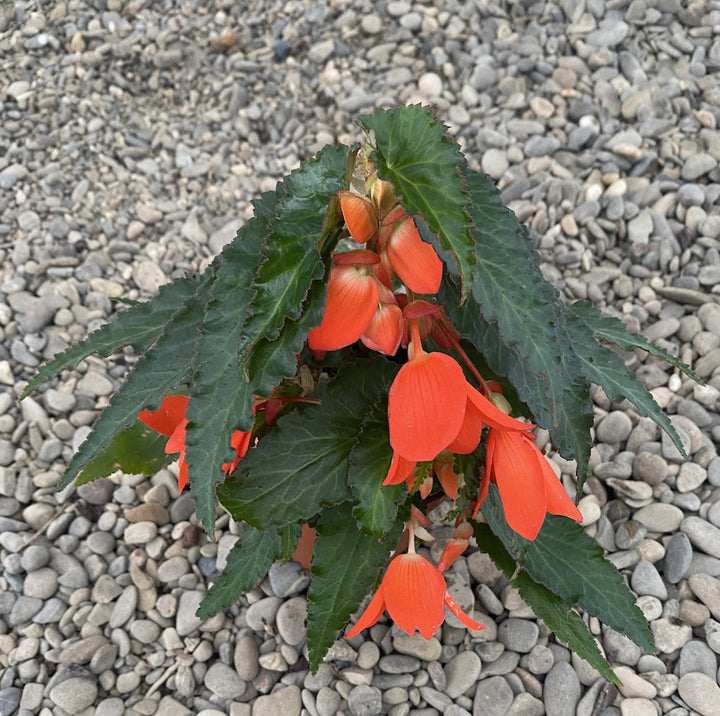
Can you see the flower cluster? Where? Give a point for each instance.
(381, 291)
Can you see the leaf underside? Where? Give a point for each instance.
(558, 614)
(571, 564)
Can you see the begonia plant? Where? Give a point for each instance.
(378, 340)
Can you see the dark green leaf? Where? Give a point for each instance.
(376, 505)
(554, 611)
(613, 330)
(606, 368)
(346, 563)
(247, 563)
(218, 395)
(136, 451)
(162, 370)
(570, 564)
(516, 319)
(138, 327)
(302, 463)
(292, 259)
(413, 152)
(289, 536)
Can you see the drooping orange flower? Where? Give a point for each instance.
(169, 419)
(415, 261)
(352, 300)
(432, 407)
(360, 214)
(527, 484)
(414, 593)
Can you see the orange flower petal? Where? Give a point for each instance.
(426, 406)
(176, 443)
(372, 613)
(183, 474)
(445, 472)
(470, 431)
(413, 260)
(454, 607)
(557, 501)
(166, 418)
(414, 590)
(521, 485)
(352, 298)
(400, 470)
(385, 330)
(492, 415)
(360, 215)
(240, 441)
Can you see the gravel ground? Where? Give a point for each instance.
(133, 135)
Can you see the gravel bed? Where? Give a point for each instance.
(133, 135)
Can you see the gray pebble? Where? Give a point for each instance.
(290, 621)
(678, 557)
(288, 578)
(245, 658)
(561, 691)
(365, 701)
(462, 672)
(614, 428)
(696, 656)
(74, 694)
(646, 580)
(518, 635)
(223, 681)
(702, 534)
(493, 697)
(701, 693)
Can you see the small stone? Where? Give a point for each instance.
(696, 656)
(660, 517)
(74, 694)
(696, 165)
(495, 163)
(290, 621)
(614, 428)
(365, 701)
(423, 649)
(561, 691)
(678, 557)
(287, 702)
(702, 534)
(493, 697)
(700, 693)
(429, 84)
(288, 578)
(707, 590)
(224, 681)
(518, 635)
(148, 276)
(245, 658)
(185, 621)
(462, 671)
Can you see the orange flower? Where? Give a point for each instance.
(352, 300)
(360, 214)
(412, 259)
(432, 407)
(169, 419)
(414, 593)
(527, 484)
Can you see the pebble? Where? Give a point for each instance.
(224, 682)
(493, 697)
(678, 557)
(561, 691)
(700, 692)
(74, 693)
(462, 671)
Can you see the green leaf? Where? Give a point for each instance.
(559, 616)
(613, 330)
(346, 563)
(289, 536)
(158, 373)
(217, 393)
(136, 451)
(376, 505)
(517, 320)
(570, 564)
(302, 463)
(606, 368)
(413, 152)
(138, 327)
(247, 563)
(292, 257)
